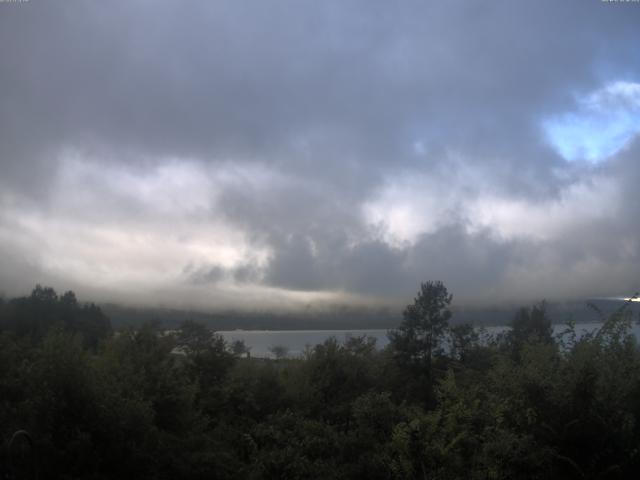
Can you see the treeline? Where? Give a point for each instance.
(138, 403)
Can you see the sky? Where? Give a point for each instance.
(285, 153)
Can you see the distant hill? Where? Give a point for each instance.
(346, 317)
(340, 318)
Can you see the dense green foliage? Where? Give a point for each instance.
(439, 402)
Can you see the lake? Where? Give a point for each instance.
(295, 341)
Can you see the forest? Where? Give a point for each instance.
(441, 401)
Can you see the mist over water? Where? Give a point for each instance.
(296, 342)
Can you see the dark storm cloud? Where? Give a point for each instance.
(250, 79)
(333, 100)
(463, 260)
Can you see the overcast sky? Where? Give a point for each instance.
(277, 153)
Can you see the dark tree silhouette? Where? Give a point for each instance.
(423, 327)
(530, 325)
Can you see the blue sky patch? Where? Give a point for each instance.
(601, 126)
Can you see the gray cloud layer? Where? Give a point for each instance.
(353, 147)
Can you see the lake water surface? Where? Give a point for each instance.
(295, 341)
